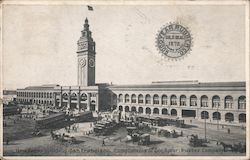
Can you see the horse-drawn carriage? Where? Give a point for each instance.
(240, 147)
(169, 134)
(62, 137)
(194, 141)
(144, 139)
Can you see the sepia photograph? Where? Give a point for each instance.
(123, 79)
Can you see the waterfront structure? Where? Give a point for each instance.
(216, 101)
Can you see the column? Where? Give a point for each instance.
(61, 98)
(235, 103)
(69, 98)
(151, 100)
(210, 102)
(179, 112)
(54, 96)
(144, 100)
(188, 101)
(144, 110)
(78, 99)
(88, 101)
(178, 101)
(160, 110)
(160, 100)
(97, 102)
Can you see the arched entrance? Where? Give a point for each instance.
(148, 111)
(242, 118)
(173, 112)
(127, 109)
(164, 111)
(140, 110)
(216, 116)
(120, 108)
(204, 114)
(133, 109)
(229, 117)
(156, 111)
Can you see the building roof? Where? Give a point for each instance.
(45, 86)
(9, 92)
(183, 84)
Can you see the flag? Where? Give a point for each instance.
(90, 8)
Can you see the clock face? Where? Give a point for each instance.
(82, 62)
(82, 45)
(91, 62)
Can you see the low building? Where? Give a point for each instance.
(216, 101)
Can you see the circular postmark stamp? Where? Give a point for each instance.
(174, 41)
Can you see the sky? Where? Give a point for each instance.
(40, 43)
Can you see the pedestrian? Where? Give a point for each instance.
(103, 142)
(228, 130)
(7, 141)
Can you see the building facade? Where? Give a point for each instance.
(217, 101)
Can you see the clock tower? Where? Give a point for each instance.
(86, 58)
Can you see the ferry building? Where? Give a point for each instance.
(216, 101)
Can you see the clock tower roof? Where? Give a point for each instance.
(86, 24)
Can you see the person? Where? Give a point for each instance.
(228, 130)
(7, 141)
(103, 142)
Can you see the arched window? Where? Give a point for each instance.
(140, 110)
(148, 99)
(140, 99)
(204, 101)
(73, 96)
(127, 109)
(156, 111)
(242, 118)
(242, 102)
(120, 108)
(216, 116)
(164, 100)
(164, 111)
(193, 100)
(216, 101)
(229, 117)
(183, 100)
(50, 95)
(155, 99)
(126, 98)
(65, 96)
(133, 98)
(120, 99)
(83, 97)
(133, 109)
(148, 111)
(173, 100)
(173, 112)
(204, 115)
(228, 102)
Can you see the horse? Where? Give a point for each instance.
(225, 146)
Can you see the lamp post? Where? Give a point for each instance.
(217, 117)
(205, 125)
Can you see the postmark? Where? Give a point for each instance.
(174, 41)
